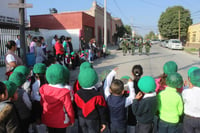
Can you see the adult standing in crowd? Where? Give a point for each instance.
(11, 59)
(69, 42)
(28, 41)
(83, 43)
(43, 44)
(17, 41)
(59, 51)
(53, 42)
(33, 45)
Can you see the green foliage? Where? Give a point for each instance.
(151, 36)
(169, 22)
(128, 29)
(120, 31)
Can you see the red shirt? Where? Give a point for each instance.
(59, 48)
(53, 100)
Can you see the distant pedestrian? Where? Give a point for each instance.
(28, 41)
(53, 42)
(39, 53)
(32, 46)
(17, 41)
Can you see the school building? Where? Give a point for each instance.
(89, 23)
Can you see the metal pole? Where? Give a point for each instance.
(179, 25)
(105, 25)
(22, 32)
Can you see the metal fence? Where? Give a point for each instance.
(5, 36)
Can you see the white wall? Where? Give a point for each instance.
(74, 34)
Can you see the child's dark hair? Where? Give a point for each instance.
(137, 71)
(42, 78)
(2, 88)
(10, 44)
(163, 79)
(117, 86)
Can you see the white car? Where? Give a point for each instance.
(175, 44)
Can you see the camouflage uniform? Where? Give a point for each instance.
(147, 47)
(124, 45)
(140, 43)
(132, 46)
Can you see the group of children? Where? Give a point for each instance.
(141, 105)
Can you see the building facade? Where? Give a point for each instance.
(89, 24)
(193, 37)
(71, 24)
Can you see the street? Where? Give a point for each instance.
(152, 64)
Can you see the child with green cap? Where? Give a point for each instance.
(91, 106)
(191, 103)
(12, 90)
(170, 104)
(39, 71)
(117, 101)
(23, 103)
(144, 105)
(24, 70)
(169, 67)
(9, 121)
(57, 112)
(189, 84)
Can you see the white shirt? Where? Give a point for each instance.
(35, 95)
(10, 58)
(17, 41)
(191, 99)
(107, 84)
(53, 42)
(27, 101)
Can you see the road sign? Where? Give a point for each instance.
(19, 5)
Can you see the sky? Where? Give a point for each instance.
(142, 15)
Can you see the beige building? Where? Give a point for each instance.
(98, 13)
(193, 37)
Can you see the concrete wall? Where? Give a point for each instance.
(194, 34)
(73, 33)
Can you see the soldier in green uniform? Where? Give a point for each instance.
(147, 46)
(140, 44)
(132, 46)
(124, 45)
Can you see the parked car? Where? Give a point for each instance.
(164, 43)
(175, 44)
(154, 41)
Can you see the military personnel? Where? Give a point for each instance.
(133, 45)
(147, 46)
(140, 44)
(124, 45)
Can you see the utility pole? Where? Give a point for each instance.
(22, 32)
(179, 25)
(21, 5)
(105, 25)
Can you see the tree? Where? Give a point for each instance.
(128, 29)
(120, 31)
(151, 35)
(168, 23)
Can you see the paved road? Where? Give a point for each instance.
(152, 64)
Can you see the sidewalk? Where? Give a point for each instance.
(2, 73)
